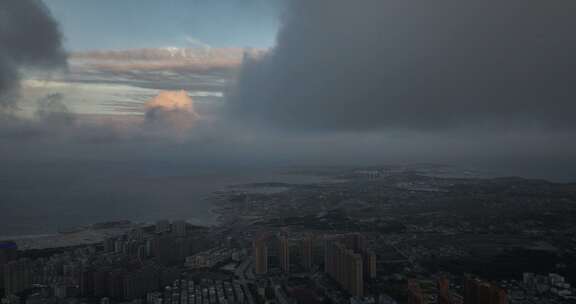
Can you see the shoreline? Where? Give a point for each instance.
(196, 207)
(219, 211)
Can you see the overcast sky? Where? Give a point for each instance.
(471, 78)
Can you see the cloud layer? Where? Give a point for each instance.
(391, 80)
(172, 112)
(417, 64)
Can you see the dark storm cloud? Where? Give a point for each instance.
(52, 120)
(29, 37)
(416, 64)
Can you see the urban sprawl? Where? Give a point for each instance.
(364, 236)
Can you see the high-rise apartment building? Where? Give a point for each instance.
(480, 292)
(346, 260)
(444, 291)
(414, 293)
(162, 226)
(307, 256)
(284, 252)
(8, 253)
(179, 228)
(260, 255)
(17, 276)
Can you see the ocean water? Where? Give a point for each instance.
(43, 198)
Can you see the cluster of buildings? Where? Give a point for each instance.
(213, 257)
(349, 261)
(126, 267)
(206, 291)
(346, 258)
(480, 292)
(15, 274)
(283, 252)
(170, 263)
(475, 291)
(552, 284)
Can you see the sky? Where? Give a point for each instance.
(472, 80)
(110, 24)
(103, 93)
(395, 74)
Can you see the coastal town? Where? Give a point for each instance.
(364, 236)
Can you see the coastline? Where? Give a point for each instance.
(85, 236)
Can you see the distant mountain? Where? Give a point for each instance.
(164, 59)
(169, 54)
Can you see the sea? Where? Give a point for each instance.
(48, 198)
(42, 198)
